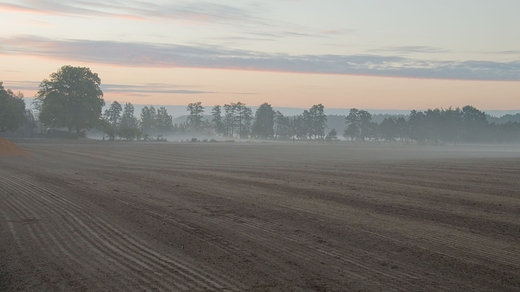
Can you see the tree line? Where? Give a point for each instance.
(452, 125)
(119, 121)
(72, 99)
(238, 120)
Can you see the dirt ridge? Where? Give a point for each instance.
(9, 149)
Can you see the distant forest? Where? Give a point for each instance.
(71, 101)
(236, 120)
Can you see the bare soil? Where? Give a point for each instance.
(103, 216)
(8, 149)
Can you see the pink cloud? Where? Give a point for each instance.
(24, 9)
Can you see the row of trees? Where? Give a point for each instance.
(121, 122)
(72, 99)
(237, 120)
(468, 125)
(452, 125)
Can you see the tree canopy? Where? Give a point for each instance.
(129, 126)
(111, 120)
(196, 115)
(216, 120)
(263, 126)
(71, 99)
(359, 124)
(12, 110)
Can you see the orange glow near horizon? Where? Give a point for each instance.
(278, 89)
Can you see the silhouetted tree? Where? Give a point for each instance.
(148, 120)
(282, 126)
(263, 125)
(12, 110)
(129, 126)
(332, 135)
(318, 121)
(508, 132)
(416, 124)
(451, 127)
(195, 117)
(402, 128)
(474, 124)
(229, 119)
(113, 114)
(367, 128)
(299, 127)
(164, 121)
(107, 129)
(71, 99)
(242, 118)
(388, 129)
(433, 124)
(307, 124)
(248, 122)
(216, 121)
(109, 124)
(359, 125)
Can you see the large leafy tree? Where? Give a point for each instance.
(12, 110)
(71, 99)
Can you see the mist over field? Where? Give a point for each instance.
(258, 200)
(260, 146)
(232, 216)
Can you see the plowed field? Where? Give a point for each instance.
(97, 216)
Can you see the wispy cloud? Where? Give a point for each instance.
(513, 52)
(243, 18)
(21, 8)
(411, 49)
(62, 8)
(196, 11)
(297, 32)
(168, 55)
(149, 88)
(335, 32)
(21, 85)
(128, 89)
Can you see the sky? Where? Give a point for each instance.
(370, 54)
